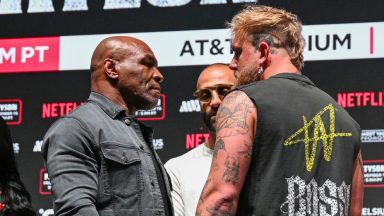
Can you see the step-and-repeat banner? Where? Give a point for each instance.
(46, 46)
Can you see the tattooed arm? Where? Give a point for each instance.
(235, 129)
(357, 187)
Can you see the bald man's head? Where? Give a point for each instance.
(214, 81)
(215, 74)
(115, 47)
(125, 69)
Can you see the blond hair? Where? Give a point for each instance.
(277, 27)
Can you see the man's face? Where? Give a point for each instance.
(140, 79)
(212, 84)
(245, 62)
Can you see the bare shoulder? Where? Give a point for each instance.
(236, 115)
(237, 97)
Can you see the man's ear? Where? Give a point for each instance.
(110, 68)
(264, 52)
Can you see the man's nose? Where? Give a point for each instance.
(215, 100)
(157, 76)
(233, 64)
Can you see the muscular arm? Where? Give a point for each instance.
(357, 188)
(235, 129)
(72, 168)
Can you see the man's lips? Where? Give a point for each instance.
(156, 88)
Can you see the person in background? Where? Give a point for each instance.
(189, 171)
(283, 146)
(100, 158)
(14, 198)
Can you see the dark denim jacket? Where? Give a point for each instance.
(99, 163)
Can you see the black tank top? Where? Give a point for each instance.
(303, 152)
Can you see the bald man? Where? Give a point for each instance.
(189, 172)
(99, 157)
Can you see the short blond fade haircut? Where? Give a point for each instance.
(277, 27)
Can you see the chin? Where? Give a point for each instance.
(149, 104)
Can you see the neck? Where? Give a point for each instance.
(277, 70)
(279, 63)
(115, 96)
(210, 143)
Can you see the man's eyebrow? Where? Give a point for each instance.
(150, 58)
(219, 85)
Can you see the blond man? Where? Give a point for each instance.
(283, 146)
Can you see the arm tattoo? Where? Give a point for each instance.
(234, 130)
(246, 152)
(232, 115)
(218, 146)
(223, 207)
(232, 167)
(219, 212)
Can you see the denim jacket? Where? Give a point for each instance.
(100, 163)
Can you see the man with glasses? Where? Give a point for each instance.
(189, 172)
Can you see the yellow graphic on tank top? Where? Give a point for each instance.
(320, 133)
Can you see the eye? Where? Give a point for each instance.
(236, 52)
(223, 89)
(205, 95)
(148, 63)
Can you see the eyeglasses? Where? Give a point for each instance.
(206, 94)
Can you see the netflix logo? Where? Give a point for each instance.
(360, 99)
(58, 109)
(196, 139)
(29, 54)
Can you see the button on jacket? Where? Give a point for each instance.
(100, 163)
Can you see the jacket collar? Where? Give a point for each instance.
(110, 108)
